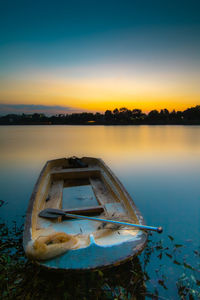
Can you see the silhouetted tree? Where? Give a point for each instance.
(153, 115)
(108, 115)
(192, 113)
(118, 116)
(115, 111)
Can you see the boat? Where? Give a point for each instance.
(84, 187)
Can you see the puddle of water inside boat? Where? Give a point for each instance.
(78, 196)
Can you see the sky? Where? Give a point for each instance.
(73, 56)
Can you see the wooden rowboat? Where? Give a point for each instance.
(83, 186)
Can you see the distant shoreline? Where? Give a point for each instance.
(93, 125)
(122, 116)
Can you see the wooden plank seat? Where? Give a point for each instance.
(102, 194)
(75, 173)
(54, 198)
(90, 210)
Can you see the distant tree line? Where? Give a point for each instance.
(122, 116)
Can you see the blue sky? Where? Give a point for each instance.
(75, 42)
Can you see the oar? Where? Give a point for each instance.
(53, 213)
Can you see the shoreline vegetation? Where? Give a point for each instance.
(122, 116)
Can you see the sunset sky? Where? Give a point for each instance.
(72, 56)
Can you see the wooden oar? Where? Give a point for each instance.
(53, 213)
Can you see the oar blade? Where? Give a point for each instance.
(51, 213)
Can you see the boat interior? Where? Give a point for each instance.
(85, 187)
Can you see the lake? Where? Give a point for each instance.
(158, 165)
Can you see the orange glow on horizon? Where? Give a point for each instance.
(100, 94)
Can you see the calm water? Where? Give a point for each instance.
(158, 165)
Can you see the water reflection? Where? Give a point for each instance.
(32, 144)
(159, 166)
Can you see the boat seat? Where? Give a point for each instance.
(90, 210)
(54, 199)
(101, 192)
(75, 173)
(115, 207)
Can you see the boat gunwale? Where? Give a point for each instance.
(28, 217)
(124, 191)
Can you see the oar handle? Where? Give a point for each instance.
(157, 229)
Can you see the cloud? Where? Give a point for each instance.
(32, 108)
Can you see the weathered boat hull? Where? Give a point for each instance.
(97, 248)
